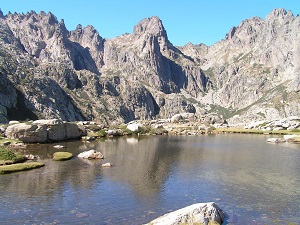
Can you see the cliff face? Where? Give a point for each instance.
(255, 69)
(47, 71)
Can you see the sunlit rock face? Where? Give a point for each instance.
(49, 72)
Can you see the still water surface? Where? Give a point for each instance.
(253, 181)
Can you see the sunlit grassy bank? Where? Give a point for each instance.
(255, 131)
(20, 167)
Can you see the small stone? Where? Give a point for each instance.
(30, 157)
(107, 165)
(58, 146)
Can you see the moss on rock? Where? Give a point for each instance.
(61, 156)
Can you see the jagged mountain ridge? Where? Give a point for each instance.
(50, 72)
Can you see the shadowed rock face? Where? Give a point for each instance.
(78, 75)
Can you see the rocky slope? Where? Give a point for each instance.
(49, 72)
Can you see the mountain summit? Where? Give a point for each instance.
(47, 71)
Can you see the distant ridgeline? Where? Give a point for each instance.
(49, 72)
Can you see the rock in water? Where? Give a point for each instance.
(197, 213)
(91, 154)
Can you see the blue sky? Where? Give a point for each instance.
(195, 21)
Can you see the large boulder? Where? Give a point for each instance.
(44, 131)
(198, 213)
(134, 127)
(74, 131)
(182, 117)
(27, 132)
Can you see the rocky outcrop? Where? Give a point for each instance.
(28, 133)
(48, 72)
(289, 123)
(203, 213)
(44, 131)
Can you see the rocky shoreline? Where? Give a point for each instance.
(51, 131)
(54, 130)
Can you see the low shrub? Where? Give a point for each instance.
(6, 154)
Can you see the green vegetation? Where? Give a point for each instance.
(62, 156)
(254, 131)
(3, 140)
(20, 167)
(9, 157)
(243, 57)
(261, 114)
(6, 154)
(97, 134)
(219, 110)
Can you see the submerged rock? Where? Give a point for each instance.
(276, 140)
(198, 213)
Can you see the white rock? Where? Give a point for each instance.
(134, 127)
(197, 213)
(13, 122)
(91, 154)
(107, 164)
(176, 118)
(47, 122)
(58, 146)
(112, 132)
(275, 140)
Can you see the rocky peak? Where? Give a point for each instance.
(152, 25)
(1, 13)
(87, 37)
(251, 67)
(277, 13)
(150, 28)
(50, 18)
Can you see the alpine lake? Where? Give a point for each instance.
(253, 181)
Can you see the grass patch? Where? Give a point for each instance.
(3, 140)
(62, 156)
(20, 167)
(295, 130)
(254, 131)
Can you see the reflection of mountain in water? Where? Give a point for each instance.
(145, 164)
(55, 175)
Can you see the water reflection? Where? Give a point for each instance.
(146, 165)
(251, 179)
